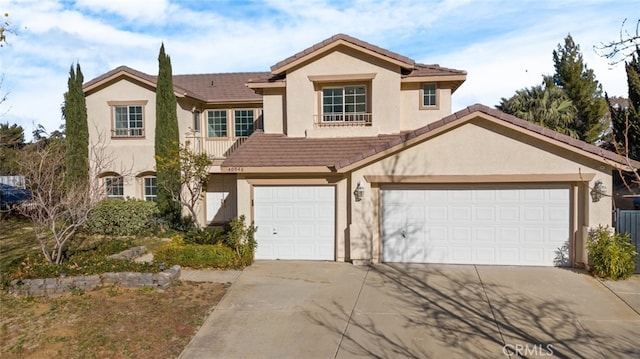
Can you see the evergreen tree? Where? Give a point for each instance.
(582, 88)
(626, 121)
(167, 143)
(11, 141)
(77, 131)
(545, 105)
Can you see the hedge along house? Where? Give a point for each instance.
(353, 154)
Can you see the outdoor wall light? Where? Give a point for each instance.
(598, 191)
(358, 193)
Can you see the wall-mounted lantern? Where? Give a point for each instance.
(598, 191)
(358, 193)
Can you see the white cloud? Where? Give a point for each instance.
(146, 11)
(504, 45)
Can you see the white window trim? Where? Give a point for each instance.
(437, 97)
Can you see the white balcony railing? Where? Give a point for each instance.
(127, 132)
(342, 119)
(215, 148)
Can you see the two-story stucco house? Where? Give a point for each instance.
(349, 152)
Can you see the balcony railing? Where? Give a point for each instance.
(215, 148)
(342, 119)
(127, 132)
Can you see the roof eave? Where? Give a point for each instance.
(275, 169)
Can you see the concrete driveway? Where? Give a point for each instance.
(278, 309)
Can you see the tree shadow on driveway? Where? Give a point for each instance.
(422, 311)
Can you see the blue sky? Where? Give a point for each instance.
(503, 45)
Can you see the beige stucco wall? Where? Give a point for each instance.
(274, 114)
(478, 148)
(303, 102)
(413, 115)
(126, 156)
(132, 158)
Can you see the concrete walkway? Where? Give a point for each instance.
(281, 309)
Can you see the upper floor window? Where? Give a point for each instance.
(128, 121)
(345, 104)
(150, 190)
(244, 122)
(429, 95)
(114, 187)
(217, 123)
(196, 121)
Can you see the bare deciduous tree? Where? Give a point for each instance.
(623, 48)
(56, 212)
(630, 178)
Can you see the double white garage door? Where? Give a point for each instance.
(486, 225)
(479, 225)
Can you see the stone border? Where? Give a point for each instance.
(57, 286)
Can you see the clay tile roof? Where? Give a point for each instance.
(276, 150)
(220, 87)
(421, 70)
(223, 87)
(117, 70)
(410, 63)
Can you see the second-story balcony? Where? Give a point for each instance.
(342, 119)
(215, 148)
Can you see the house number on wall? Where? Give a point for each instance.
(235, 169)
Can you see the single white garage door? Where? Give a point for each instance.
(295, 222)
(480, 225)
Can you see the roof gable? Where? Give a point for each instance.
(335, 41)
(345, 154)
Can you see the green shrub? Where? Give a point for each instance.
(209, 235)
(611, 255)
(128, 217)
(241, 238)
(196, 255)
(88, 260)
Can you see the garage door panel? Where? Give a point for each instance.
(485, 234)
(486, 226)
(533, 214)
(509, 214)
(295, 222)
(461, 213)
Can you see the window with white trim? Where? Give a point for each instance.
(150, 189)
(114, 187)
(344, 104)
(429, 95)
(128, 121)
(243, 122)
(217, 123)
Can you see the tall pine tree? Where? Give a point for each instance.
(626, 121)
(167, 143)
(582, 88)
(77, 131)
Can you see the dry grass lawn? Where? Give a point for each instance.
(107, 323)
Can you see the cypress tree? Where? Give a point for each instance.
(167, 143)
(626, 121)
(77, 131)
(582, 88)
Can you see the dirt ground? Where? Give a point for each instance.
(111, 322)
